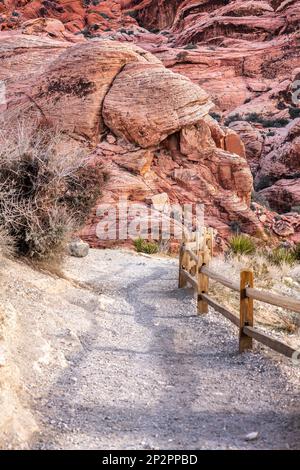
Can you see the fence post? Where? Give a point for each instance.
(211, 241)
(182, 260)
(246, 310)
(203, 282)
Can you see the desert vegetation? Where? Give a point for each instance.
(256, 118)
(146, 246)
(46, 192)
(279, 255)
(276, 269)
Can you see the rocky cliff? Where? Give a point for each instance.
(160, 91)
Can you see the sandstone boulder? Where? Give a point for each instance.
(146, 103)
(68, 92)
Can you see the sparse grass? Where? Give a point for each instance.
(279, 256)
(45, 193)
(145, 246)
(241, 244)
(282, 279)
(297, 252)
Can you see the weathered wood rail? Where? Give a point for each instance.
(194, 258)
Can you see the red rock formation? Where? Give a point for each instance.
(166, 143)
(279, 163)
(243, 54)
(76, 15)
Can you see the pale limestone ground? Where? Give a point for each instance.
(118, 359)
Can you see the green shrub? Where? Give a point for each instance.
(242, 245)
(144, 246)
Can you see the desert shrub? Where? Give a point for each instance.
(279, 256)
(104, 15)
(266, 122)
(145, 246)
(294, 112)
(235, 227)
(86, 33)
(45, 193)
(132, 13)
(242, 245)
(182, 55)
(190, 46)
(282, 122)
(216, 116)
(233, 118)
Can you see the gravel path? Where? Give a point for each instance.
(150, 374)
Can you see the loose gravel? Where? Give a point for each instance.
(151, 374)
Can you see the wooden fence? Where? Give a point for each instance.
(194, 258)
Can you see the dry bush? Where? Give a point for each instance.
(46, 190)
(6, 243)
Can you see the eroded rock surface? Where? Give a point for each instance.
(243, 54)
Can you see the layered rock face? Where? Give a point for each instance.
(76, 15)
(155, 126)
(149, 127)
(246, 55)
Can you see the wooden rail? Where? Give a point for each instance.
(194, 269)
